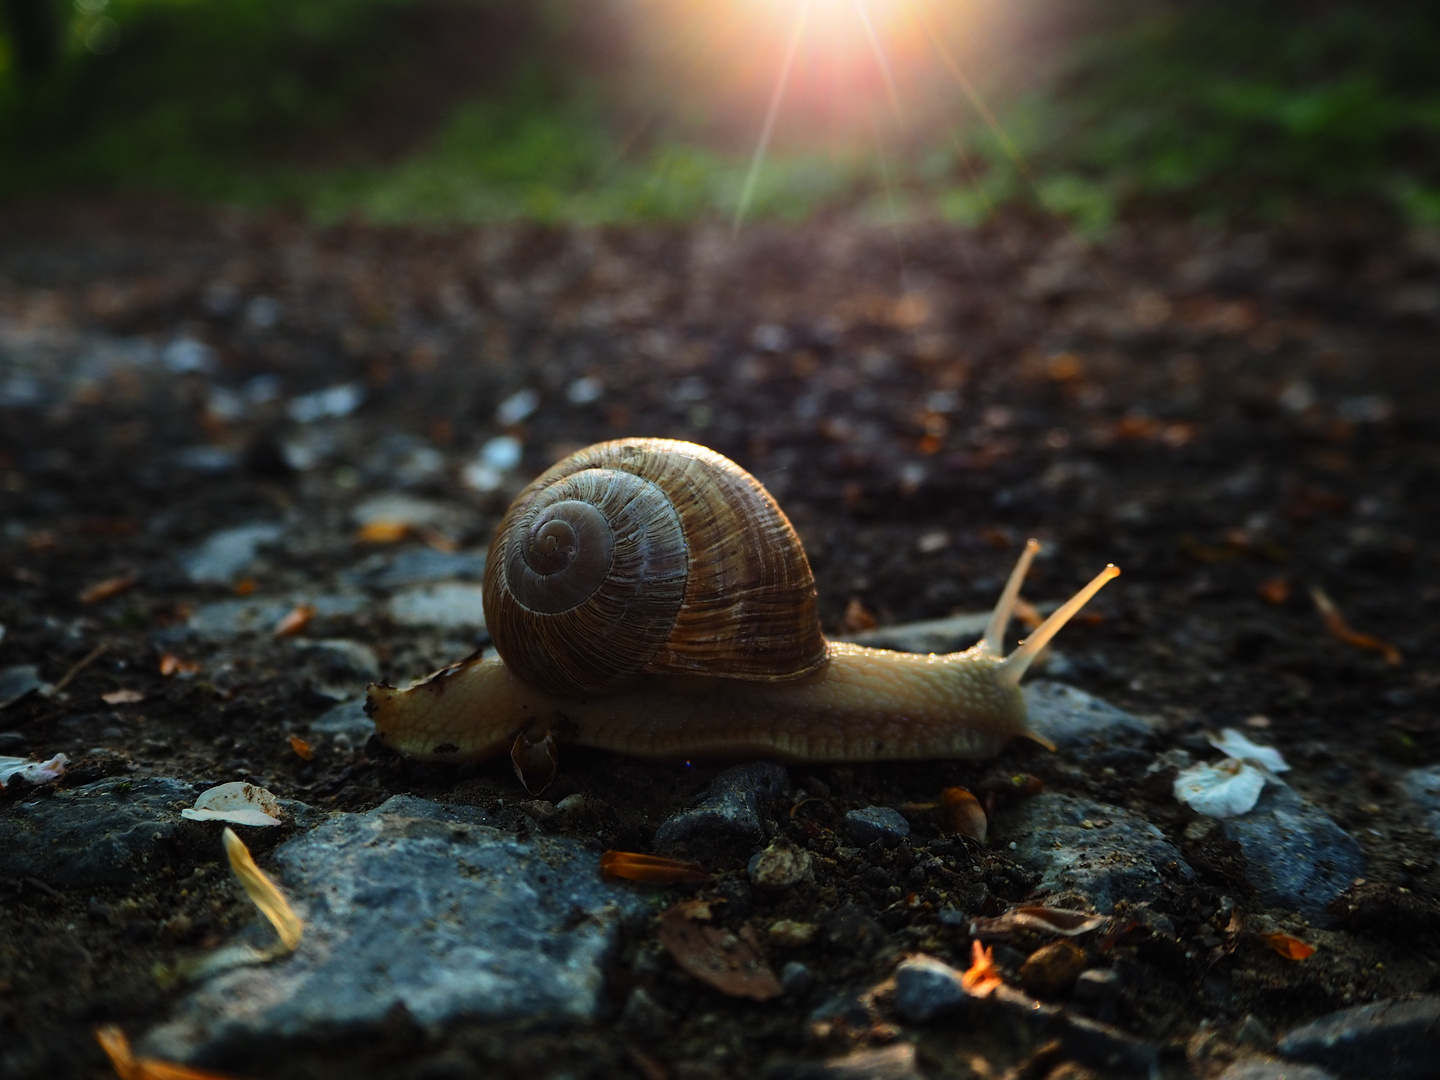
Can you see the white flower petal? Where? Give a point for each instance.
(1233, 744)
(1224, 790)
(36, 772)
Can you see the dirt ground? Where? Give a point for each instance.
(1235, 418)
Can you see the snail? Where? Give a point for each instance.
(650, 597)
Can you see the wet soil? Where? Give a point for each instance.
(1236, 418)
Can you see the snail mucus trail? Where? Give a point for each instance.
(649, 597)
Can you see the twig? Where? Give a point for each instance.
(79, 666)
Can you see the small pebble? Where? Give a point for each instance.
(781, 866)
(730, 808)
(1390, 1040)
(791, 933)
(1051, 970)
(873, 823)
(926, 988)
(797, 979)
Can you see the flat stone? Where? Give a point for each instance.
(1268, 1069)
(111, 832)
(896, 1062)
(451, 604)
(225, 620)
(1390, 1040)
(731, 807)
(928, 636)
(1080, 723)
(223, 556)
(926, 988)
(1423, 787)
(420, 906)
(872, 823)
(1103, 853)
(1296, 857)
(347, 724)
(18, 680)
(417, 566)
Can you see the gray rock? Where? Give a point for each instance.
(926, 988)
(1391, 1040)
(1267, 1069)
(417, 566)
(796, 978)
(452, 604)
(872, 823)
(221, 558)
(730, 808)
(347, 724)
(338, 667)
(1101, 852)
(18, 680)
(1080, 723)
(424, 907)
(1296, 857)
(108, 833)
(1423, 787)
(225, 620)
(895, 1062)
(931, 635)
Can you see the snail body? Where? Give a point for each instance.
(649, 597)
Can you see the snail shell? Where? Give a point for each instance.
(644, 556)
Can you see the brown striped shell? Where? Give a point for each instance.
(649, 556)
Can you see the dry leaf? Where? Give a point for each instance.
(1288, 947)
(1048, 920)
(237, 802)
(296, 621)
(128, 1067)
(732, 963)
(301, 747)
(263, 892)
(964, 814)
(122, 697)
(1341, 631)
(104, 590)
(1274, 590)
(982, 977)
(383, 532)
(170, 664)
(656, 869)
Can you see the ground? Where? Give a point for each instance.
(1234, 417)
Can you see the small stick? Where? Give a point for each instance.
(79, 666)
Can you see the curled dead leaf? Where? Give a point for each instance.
(1342, 631)
(1289, 947)
(731, 962)
(104, 590)
(982, 977)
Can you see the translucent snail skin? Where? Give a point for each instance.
(649, 597)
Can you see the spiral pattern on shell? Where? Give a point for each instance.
(649, 556)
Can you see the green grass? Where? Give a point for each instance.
(1232, 112)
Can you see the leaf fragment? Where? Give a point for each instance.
(655, 869)
(128, 1067)
(104, 590)
(1289, 947)
(302, 748)
(982, 977)
(731, 962)
(1342, 631)
(122, 697)
(170, 664)
(263, 892)
(295, 620)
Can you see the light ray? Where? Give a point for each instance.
(880, 58)
(775, 99)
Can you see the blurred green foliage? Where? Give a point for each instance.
(1234, 111)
